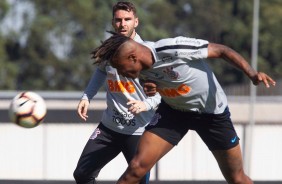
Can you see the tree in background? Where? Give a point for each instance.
(50, 51)
(8, 69)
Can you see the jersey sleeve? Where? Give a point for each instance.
(182, 47)
(96, 82)
(152, 102)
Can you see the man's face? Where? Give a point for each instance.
(125, 22)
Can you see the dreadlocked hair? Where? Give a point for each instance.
(108, 48)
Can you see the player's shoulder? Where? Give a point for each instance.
(182, 40)
(166, 42)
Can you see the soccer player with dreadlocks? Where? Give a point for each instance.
(192, 99)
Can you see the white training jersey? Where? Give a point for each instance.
(184, 80)
(119, 90)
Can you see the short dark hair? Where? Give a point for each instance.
(127, 6)
(108, 48)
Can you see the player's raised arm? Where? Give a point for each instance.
(228, 54)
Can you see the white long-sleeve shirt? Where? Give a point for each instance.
(119, 90)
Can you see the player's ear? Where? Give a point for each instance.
(136, 22)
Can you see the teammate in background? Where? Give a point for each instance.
(119, 130)
(192, 99)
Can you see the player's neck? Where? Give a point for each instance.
(132, 36)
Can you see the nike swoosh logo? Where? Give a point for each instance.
(234, 139)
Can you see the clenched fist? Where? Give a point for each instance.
(149, 87)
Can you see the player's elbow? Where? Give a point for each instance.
(218, 50)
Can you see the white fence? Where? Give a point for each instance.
(51, 150)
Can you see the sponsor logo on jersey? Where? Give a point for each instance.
(167, 59)
(181, 90)
(123, 118)
(121, 86)
(188, 41)
(220, 105)
(186, 54)
(171, 73)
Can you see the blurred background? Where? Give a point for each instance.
(45, 47)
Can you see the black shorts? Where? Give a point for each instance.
(216, 130)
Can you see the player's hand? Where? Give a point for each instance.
(82, 109)
(149, 87)
(262, 77)
(136, 106)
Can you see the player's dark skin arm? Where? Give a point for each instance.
(234, 58)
